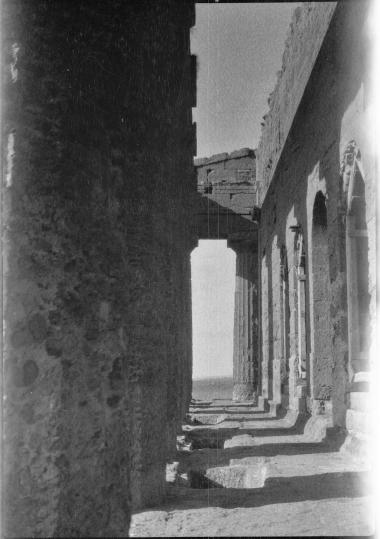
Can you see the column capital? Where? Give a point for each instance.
(193, 241)
(242, 241)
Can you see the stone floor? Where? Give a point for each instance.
(241, 471)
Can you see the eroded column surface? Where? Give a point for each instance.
(96, 237)
(245, 358)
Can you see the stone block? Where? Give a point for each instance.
(360, 401)
(358, 423)
(316, 428)
(236, 476)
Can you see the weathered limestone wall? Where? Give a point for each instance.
(99, 147)
(306, 33)
(309, 166)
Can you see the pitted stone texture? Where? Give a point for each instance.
(97, 101)
(227, 192)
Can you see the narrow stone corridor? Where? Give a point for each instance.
(241, 471)
(106, 194)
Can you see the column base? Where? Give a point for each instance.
(298, 401)
(277, 380)
(298, 404)
(274, 408)
(262, 404)
(244, 392)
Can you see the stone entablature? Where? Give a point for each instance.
(227, 193)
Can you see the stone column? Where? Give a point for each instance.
(297, 325)
(276, 322)
(264, 331)
(245, 357)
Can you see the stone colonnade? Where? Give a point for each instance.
(265, 375)
(283, 354)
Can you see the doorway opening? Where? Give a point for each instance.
(213, 289)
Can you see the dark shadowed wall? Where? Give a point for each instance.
(98, 144)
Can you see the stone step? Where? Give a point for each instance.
(358, 423)
(363, 376)
(360, 401)
(243, 477)
(234, 404)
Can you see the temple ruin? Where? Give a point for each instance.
(228, 194)
(102, 204)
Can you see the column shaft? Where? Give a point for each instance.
(245, 358)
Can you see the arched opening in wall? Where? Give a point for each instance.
(213, 291)
(357, 273)
(320, 354)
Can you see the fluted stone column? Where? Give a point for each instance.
(246, 352)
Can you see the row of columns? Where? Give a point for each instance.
(248, 379)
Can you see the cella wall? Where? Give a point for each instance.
(304, 239)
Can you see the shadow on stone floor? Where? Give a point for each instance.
(276, 490)
(208, 437)
(217, 457)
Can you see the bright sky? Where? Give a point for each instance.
(239, 49)
(213, 280)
